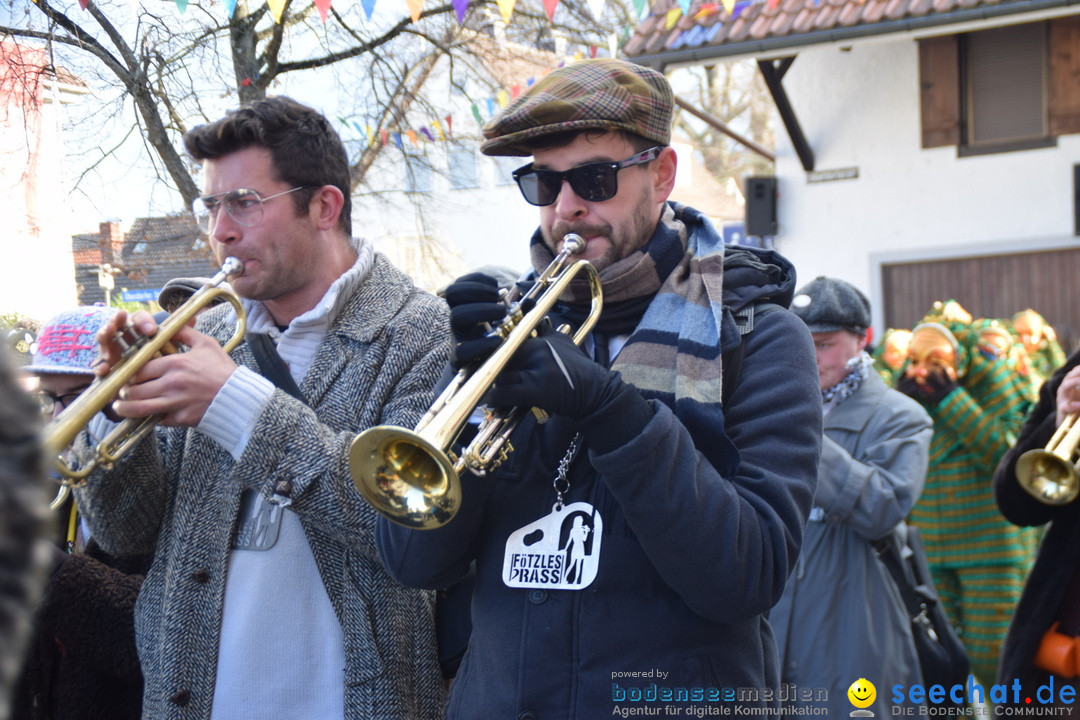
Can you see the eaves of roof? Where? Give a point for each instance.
(773, 29)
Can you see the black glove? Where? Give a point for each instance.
(937, 387)
(552, 373)
(474, 304)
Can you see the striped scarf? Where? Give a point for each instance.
(673, 354)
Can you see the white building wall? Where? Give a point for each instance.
(860, 109)
(38, 277)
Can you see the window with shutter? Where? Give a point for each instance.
(1005, 78)
(1009, 88)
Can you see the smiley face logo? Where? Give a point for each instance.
(862, 693)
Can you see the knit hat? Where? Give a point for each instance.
(68, 342)
(597, 94)
(176, 292)
(828, 304)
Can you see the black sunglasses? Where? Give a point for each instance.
(594, 182)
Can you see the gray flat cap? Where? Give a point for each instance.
(828, 304)
(178, 290)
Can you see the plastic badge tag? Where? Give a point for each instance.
(560, 551)
(260, 522)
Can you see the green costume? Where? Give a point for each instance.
(977, 557)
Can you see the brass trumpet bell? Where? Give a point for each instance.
(408, 479)
(1050, 474)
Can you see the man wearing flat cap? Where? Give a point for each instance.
(631, 545)
(840, 617)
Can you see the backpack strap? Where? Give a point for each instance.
(732, 359)
(271, 364)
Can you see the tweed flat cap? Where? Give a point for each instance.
(828, 304)
(602, 94)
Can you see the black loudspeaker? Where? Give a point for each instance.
(761, 206)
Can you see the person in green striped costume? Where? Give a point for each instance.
(979, 560)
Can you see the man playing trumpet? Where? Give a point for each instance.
(652, 521)
(1046, 621)
(265, 598)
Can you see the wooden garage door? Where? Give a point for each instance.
(989, 286)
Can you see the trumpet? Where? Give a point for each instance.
(412, 477)
(58, 435)
(1050, 474)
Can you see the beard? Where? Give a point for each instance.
(623, 240)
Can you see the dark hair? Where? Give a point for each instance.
(304, 149)
(565, 137)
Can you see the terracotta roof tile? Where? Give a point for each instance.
(781, 24)
(850, 14)
(895, 9)
(826, 16)
(920, 7)
(804, 20)
(757, 21)
(739, 29)
(761, 27)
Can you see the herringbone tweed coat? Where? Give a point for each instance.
(180, 496)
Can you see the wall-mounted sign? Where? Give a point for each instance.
(816, 176)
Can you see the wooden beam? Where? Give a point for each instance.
(720, 125)
(773, 72)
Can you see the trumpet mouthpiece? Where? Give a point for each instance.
(573, 243)
(232, 267)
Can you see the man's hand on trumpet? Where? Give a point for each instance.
(1068, 395)
(177, 386)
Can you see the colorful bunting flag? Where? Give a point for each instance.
(450, 125)
(596, 7)
(324, 8)
(476, 114)
(230, 7)
(613, 44)
(368, 5)
(506, 8)
(674, 14)
(549, 8)
(277, 7)
(460, 6)
(416, 8)
(685, 5)
(729, 6)
(503, 98)
(181, 5)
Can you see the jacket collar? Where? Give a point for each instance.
(363, 317)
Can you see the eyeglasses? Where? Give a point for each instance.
(245, 206)
(594, 182)
(49, 401)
